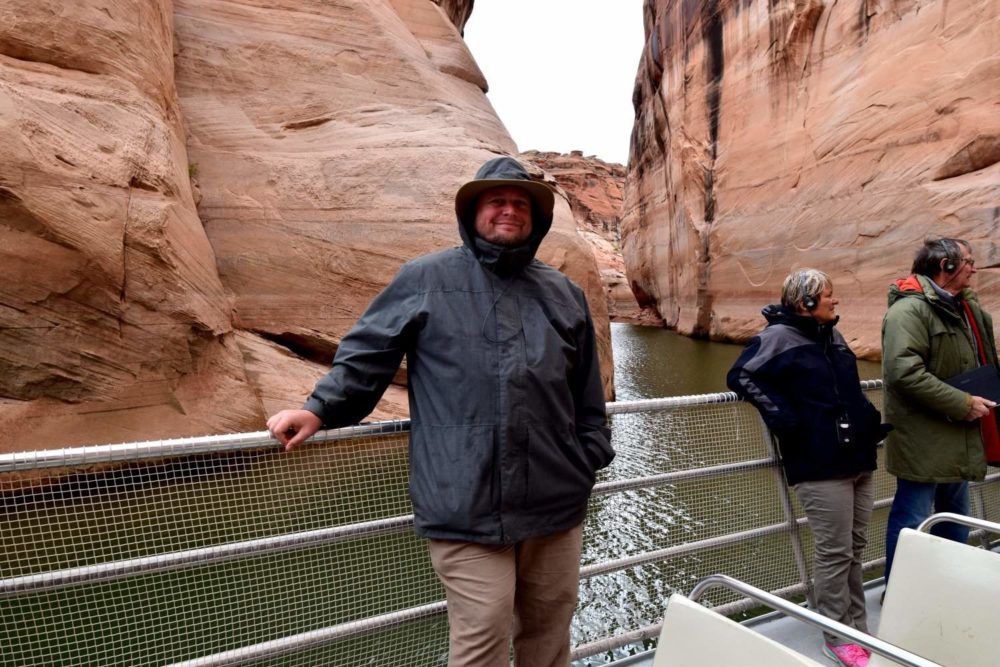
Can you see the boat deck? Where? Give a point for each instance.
(790, 632)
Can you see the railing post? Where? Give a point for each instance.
(786, 508)
(976, 496)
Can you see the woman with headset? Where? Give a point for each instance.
(802, 377)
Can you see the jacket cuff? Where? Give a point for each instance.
(598, 456)
(317, 407)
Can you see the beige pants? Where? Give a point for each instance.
(527, 591)
(838, 512)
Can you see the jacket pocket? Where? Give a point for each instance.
(867, 423)
(452, 480)
(558, 472)
(944, 356)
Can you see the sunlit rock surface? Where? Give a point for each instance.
(198, 198)
(778, 135)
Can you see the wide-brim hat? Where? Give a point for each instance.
(504, 171)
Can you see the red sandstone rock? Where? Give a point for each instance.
(594, 188)
(774, 136)
(113, 316)
(324, 142)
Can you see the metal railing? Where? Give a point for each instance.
(182, 546)
(950, 517)
(874, 644)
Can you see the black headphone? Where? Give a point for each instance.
(950, 249)
(809, 302)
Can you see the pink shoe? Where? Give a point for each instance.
(846, 655)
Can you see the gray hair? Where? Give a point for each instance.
(802, 285)
(927, 261)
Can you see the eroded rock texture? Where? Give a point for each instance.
(777, 135)
(594, 189)
(324, 142)
(113, 314)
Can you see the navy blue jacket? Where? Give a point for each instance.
(803, 378)
(508, 423)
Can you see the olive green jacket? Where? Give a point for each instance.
(925, 339)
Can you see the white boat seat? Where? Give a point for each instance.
(942, 602)
(695, 636)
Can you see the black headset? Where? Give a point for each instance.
(950, 248)
(809, 303)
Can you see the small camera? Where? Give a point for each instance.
(844, 434)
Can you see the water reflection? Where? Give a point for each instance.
(652, 362)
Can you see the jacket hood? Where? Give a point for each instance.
(911, 286)
(920, 287)
(503, 260)
(776, 313)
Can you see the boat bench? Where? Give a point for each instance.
(942, 602)
(940, 608)
(695, 636)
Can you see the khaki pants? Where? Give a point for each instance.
(838, 512)
(527, 591)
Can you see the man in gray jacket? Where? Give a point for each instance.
(508, 423)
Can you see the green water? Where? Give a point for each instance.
(652, 362)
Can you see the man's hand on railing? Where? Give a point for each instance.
(292, 427)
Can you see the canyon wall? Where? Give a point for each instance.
(783, 134)
(198, 198)
(594, 190)
(113, 313)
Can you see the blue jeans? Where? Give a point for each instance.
(912, 504)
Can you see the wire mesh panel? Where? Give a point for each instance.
(149, 609)
(146, 555)
(721, 506)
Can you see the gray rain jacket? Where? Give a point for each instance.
(508, 422)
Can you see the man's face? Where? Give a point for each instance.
(503, 215)
(962, 277)
(957, 280)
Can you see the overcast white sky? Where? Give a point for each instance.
(561, 72)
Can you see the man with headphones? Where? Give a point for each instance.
(935, 329)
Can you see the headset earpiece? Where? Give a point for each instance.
(809, 303)
(949, 265)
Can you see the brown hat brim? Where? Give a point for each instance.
(540, 194)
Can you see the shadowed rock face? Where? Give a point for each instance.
(777, 135)
(197, 199)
